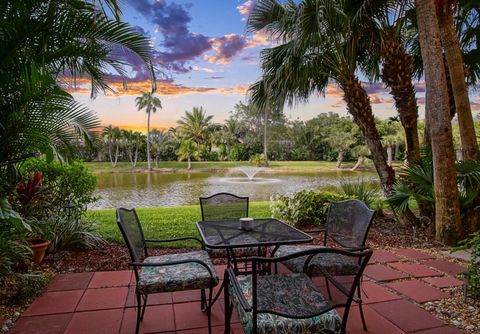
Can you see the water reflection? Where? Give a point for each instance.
(169, 189)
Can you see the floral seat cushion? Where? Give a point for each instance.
(239, 252)
(334, 264)
(291, 294)
(185, 276)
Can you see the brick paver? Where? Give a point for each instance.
(384, 256)
(443, 282)
(406, 315)
(55, 302)
(418, 291)
(72, 281)
(445, 266)
(412, 254)
(380, 272)
(415, 269)
(109, 279)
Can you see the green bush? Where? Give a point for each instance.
(237, 153)
(74, 234)
(63, 183)
(304, 208)
(365, 191)
(473, 272)
(259, 160)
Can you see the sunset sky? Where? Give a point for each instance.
(204, 57)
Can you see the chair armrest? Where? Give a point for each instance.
(232, 279)
(173, 263)
(176, 239)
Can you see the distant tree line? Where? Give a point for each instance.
(327, 137)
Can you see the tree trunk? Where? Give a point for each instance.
(110, 153)
(148, 142)
(157, 159)
(360, 162)
(358, 104)
(339, 159)
(397, 150)
(136, 157)
(447, 207)
(397, 73)
(454, 58)
(459, 152)
(189, 163)
(265, 135)
(389, 155)
(117, 152)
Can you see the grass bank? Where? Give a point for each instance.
(170, 166)
(164, 222)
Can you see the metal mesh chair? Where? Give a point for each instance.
(347, 226)
(165, 273)
(222, 207)
(291, 303)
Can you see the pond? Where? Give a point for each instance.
(183, 188)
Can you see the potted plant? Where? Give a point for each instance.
(30, 194)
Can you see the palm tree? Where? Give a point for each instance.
(45, 45)
(195, 125)
(316, 47)
(454, 60)
(150, 103)
(340, 141)
(188, 149)
(447, 208)
(360, 151)
(108, 135)
(133, 141)
(160, 140)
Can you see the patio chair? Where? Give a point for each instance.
(165, 273)
(291, 303)
(347, 227)
(225, 206)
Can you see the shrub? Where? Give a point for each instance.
(365, 191)
(259, 160)
(70, 234)
(13, 230)
(63, 183)
(304, 208)
(237, 152)
(473, 272)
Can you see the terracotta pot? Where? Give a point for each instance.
(39, 248)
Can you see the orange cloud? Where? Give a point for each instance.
(333, 90)
(163, 88)
(245, 8)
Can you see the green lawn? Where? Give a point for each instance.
(105, 167)
(165, 222)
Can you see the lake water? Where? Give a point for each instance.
(182, 188)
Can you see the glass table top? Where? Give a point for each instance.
(265, 232)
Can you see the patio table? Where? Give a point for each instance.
(227, 234)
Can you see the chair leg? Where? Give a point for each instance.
(360, 307)
(227, 309)
(328, 288)
(139, 311)
(203, 300)
(144, 307)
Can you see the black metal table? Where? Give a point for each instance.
(228, 235)
(266, 232)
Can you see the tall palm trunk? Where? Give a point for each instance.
(189, 162)
(397, 73)
(454, 58)
(447, 207)
(358, 104)
(339, 159)
(360, 162)
(110, 152)
(265, 136)
(148, 142)
(389, 155)
(117, 152)
(136, 157)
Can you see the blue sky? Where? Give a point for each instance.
(205, 58)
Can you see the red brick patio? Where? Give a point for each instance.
(395, 282)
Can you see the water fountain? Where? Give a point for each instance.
(250, 176)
